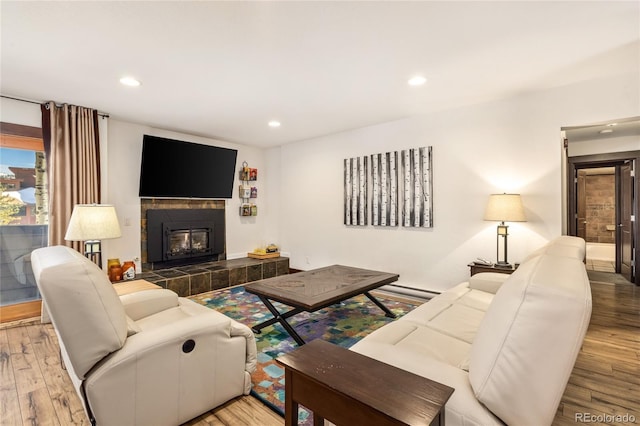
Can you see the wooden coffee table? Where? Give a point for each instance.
(316, 289)
(348, 388)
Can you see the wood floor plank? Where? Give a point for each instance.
(598, 364)
(604, 379)
(65, 400)
(9, 404)
(34, 399)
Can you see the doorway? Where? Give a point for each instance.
(602, 201)
(596, 221)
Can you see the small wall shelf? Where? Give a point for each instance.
(247, 190)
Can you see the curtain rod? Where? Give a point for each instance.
(101, 114)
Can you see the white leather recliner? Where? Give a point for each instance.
(146, 358)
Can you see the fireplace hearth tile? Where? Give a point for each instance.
(162, 283)
(268, 270)
(216, 267)
(282, 267)
(244, 261)
(254, 272)
(149, 276)
(193, 269)
(171, 273)
(219, 279)
(200, 283)
(237, 276)
(179, 285)
(206, 265)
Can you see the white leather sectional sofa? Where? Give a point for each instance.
(146, 358)
(506, 343)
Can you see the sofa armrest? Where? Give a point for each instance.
(193, 360)
(489, 282)
(143, 303)
(241, 330)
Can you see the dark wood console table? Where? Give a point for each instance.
(476, 268)
(348, 388)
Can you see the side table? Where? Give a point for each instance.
(126, 287)
(348, 388)
(477, 268)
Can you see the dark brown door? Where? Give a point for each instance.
(626, 224)
(581, 205)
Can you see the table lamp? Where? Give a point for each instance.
(91, 223)
(504, 208)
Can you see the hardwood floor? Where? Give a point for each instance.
(35, 390)
(606, 377)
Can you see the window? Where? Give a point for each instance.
(23, 210)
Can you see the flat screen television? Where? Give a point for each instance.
(178, 169)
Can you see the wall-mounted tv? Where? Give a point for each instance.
(178, 169)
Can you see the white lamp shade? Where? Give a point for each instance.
(93, 222)
(505, 208)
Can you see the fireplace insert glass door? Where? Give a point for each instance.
(187, 242)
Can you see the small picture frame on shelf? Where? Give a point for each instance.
(254, 192)
(254, 210)
(244, 173)
(245, 210)
(244, 191)
(253, 174)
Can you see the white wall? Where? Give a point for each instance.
(600, 146)
(508, 146)
(123, 173)
(19, 112)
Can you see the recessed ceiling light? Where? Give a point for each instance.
(612, 124)
(606, 131)
(417, 80)
(274, 123)
(130, 81)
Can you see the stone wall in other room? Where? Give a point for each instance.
(600, 208)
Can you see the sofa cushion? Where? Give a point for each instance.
(529, 338)
(430, 344)
(489, 282)
(85, 309)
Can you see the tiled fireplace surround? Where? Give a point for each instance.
(207, 276)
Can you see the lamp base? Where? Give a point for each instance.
(93, 251)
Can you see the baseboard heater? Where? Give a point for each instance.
(410, 291)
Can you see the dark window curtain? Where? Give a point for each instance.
(72, 149)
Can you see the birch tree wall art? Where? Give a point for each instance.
(417, 208)
(355, 191)
(384, 180)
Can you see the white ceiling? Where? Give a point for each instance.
(628, 127)
(224, 69)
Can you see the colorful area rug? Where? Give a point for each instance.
(342, 324)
